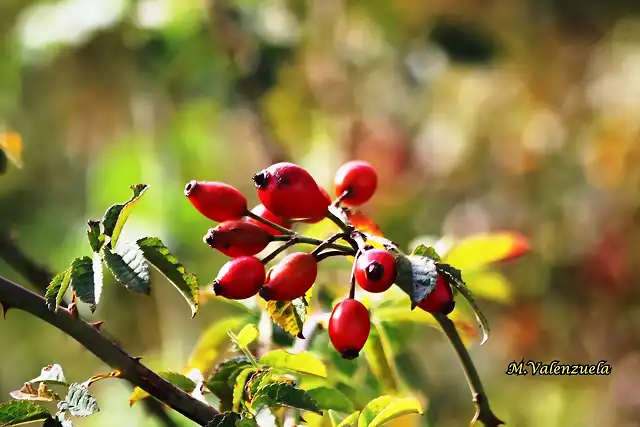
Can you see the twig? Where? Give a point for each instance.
(311, 241)
(484, 413)
(15, 296)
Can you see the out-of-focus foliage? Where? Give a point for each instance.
(478, 116)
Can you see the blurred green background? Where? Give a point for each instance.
(479, 115)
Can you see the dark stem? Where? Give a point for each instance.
(292, 241)
(331, 239)
(479, 397)
(311, 241)
(356, 238)
(352, 280)
(329, 254)
(280, 228)
(15, 296)
(336, 202)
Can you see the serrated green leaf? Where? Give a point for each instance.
(57, 288)
(455, 280)
(96, 238)
(51, 374)
(160, 257)
(248, 334)
(223, 379)
(284, 394)
(380, 358)
(238, 388)
(182, 382)
(79, 402)
(212, 343)
(82, 281)
(416, 276)
(351, 420)
(21, 412)
(426, 251)
(299, 363)
(225, 419)
(289, 315)
(116, 216)
(129, 267)
(258, 380)
(480, 250)
(397, 409)
(330, 398)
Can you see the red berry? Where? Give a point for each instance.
(238, 238)
(216, 200)
(349, 327)
(358, 179)
(320, 218)
(263, 212)
(289, 191)
(440, 300)
(291, 278)
(376, 270)
(240, 278)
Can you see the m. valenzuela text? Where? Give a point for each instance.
(557, 368)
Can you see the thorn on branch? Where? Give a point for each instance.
(73, 311)
(5, 308)
(137, 358)
(97, 324)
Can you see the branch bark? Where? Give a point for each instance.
(484, 413)
(15, 296)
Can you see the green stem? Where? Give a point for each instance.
(340, 223)
(317, 242)
(290, 242)
(322, 246)
(329, 254)
(484, 413)
(280, 228)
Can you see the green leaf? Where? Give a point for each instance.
(248, 334)
(225, 419)
(238, 388)
(330, 398)
(96, 238)
(387, 408)
(79, 402)
(491, 285)
(160, 257)
(289, 315)
(299, 363)
(380, 358)
(335, 418)
(82, 281)
(51, 374)
(479, 250)
(258, 380)
(21, 412)
(57, 288)
(116, 216)
(284, 394)
(223, 379)
(426, 251)
(129, 267)
(455, 279)
(351, 420)
(182, 382)
(416, 276)
(246, 422)
(212, 343)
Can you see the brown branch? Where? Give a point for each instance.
(15, 296)
(484, 413)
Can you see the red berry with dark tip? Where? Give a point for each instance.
(358, 179)
(349, 327)
(290, 191)
(240, 278)
(440, 300)
(216, 200)
(263, 212)
(291, 278)
(238, 238)
(376, 270)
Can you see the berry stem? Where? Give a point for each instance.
(331, 239)
(311, 241)
(480, 400)
(290, 242)
(339, 200)
(352, 280)
(328, 254)
(280, 228)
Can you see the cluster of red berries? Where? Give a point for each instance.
(289, 194)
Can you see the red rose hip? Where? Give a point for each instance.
(375, 270)
(216, 200)
(349, 327)
(291, 278)
(263, 212)
(440, 300)
(238, 238)
(358, 179)
(240, 278)
(290, 191)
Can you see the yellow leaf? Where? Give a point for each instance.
(397, 409)
(491, 285)
(290, 315)
(212, 343)
(299, 363)
(351, 420)
(11, 144)
(247, 335)
(481, 249)
(380, 357)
